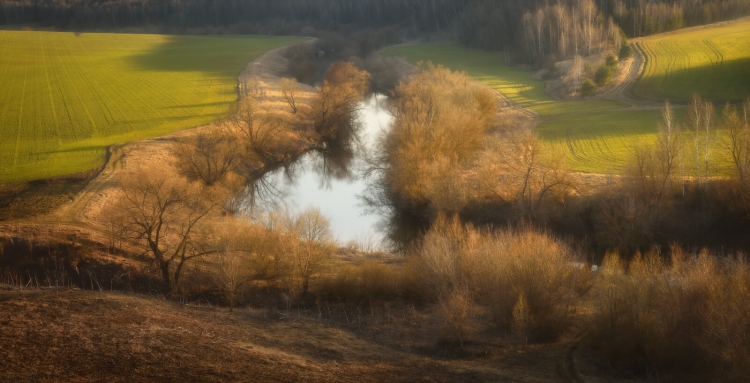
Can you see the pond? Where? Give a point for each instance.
(332, 181)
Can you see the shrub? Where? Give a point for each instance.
(612, 62)
(691, 317)
(626, 51)
(588, 88)
(588, 69)
(502, 269)
(365, 283)
(603, 75)
(440, 126)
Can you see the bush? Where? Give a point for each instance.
(612, 62)
(588, 69)
(588, 88)
(362, 284)
(603, 75)
(691, 317)
(502, 269)
(626, 51)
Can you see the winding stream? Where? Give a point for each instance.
(333, 182)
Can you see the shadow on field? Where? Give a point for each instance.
(726, 81)
(221, 56)
(188, 54)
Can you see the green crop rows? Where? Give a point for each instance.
(65, 98)
(594, 136)
(713, 61)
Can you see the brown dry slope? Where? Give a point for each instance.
(84, 336)
(76, 336)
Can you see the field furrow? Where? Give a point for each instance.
(67, 97)
(713, 61)
(599, 136)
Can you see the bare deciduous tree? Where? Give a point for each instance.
(258, 125)
(530, 175)
(700, 116)
(312, 250)
(653, 168)
(737, 141)
(165, 215)
(337, 101)
(208, 158)
(289, 88)
(248, 254)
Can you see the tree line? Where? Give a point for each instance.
(523, 29)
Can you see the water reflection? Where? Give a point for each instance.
(330, 179)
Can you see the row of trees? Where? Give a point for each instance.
(642, 17)
(533, 28)
(276, 15)
(661, 168)
(568, 30)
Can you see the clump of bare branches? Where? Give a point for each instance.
(166, 217)
(208, 157)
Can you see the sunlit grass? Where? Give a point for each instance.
(713, 61)
(596, 136)
(66, 98)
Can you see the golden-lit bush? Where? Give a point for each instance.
(689, 318)
(500, 270)
(365, 283)
(441, 120)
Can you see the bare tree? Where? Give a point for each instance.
(334, 108)
(700, 115)
(248, 254)
(669, 150)
(289, 88)
(577, 70)
(737, 141)
(258, 125)
(530, 176)
(312, 250)
(208, 158)
(653, 168)
(164, 215)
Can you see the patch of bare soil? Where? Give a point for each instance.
(83, 336)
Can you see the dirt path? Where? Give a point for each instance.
(262, 77)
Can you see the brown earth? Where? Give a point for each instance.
(84, 336)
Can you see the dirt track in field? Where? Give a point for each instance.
(261, 78)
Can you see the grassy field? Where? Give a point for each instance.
(594, 136)
(66, 98)
(713, 61)
(489, 68)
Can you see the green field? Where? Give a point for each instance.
(713, 61)
(594, 136)
(65, 98)
(489, 68)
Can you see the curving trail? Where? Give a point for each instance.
(87, 207)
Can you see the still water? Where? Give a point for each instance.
(333, 181)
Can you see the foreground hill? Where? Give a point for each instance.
(68, 96)
(82, 336)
